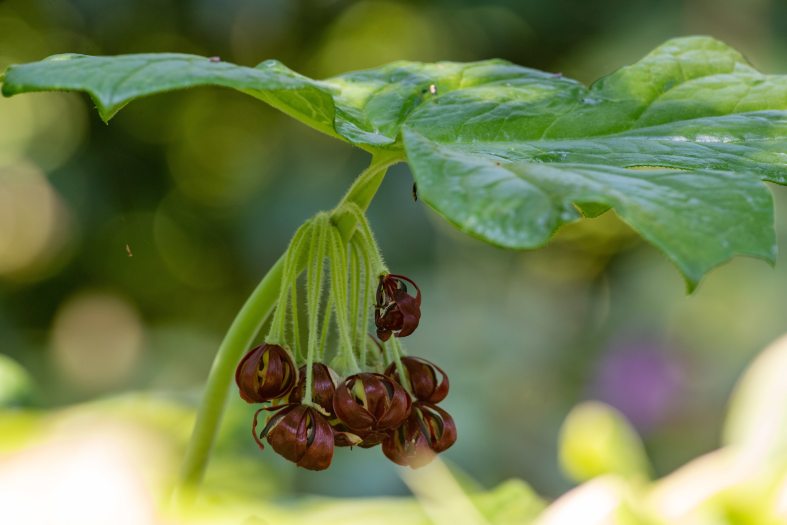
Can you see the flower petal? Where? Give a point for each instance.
(349, 411)
(369, 402)
(289, 436)
(398, 410)
(319, 451)
(428, 381)
(324, 381)
(442, 429)
(407, 446)
(246, 375)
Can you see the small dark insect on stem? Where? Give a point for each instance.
(415, 192)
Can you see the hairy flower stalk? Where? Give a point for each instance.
(370, 393)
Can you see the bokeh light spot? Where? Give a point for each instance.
(223, 156)
(97, 340)
(35, 225)
(372, 33)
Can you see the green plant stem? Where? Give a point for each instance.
(244, 329)
(239, 337)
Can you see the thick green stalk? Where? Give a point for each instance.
(247, 324)
(238, 339)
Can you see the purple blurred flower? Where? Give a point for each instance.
(642, 380)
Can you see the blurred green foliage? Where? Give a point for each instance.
(596, 439)
(125, 250)
(123, 451)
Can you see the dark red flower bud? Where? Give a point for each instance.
(428, 431)
(368, 403)
(324, 381)
(428, 381)
(265, 373)
(396, 310)
(299, 433)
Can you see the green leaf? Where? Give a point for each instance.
(512, 501)
(366, 108)
(113, 82)
(676, 144)
(16, 387)
(373, 105)
(699, 218)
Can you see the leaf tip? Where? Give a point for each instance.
(6, 88)
(692, 278)
(691, 284)
(106, 110)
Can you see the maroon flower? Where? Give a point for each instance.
(395, 309)
(265, 373)
(428, 381)
(324, 381)
(299, 433)
(370, 403)
(428, 431)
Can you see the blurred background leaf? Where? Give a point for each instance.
(757, 422)
(596, 439)
(16, 386)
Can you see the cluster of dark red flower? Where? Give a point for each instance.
(364, 409)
